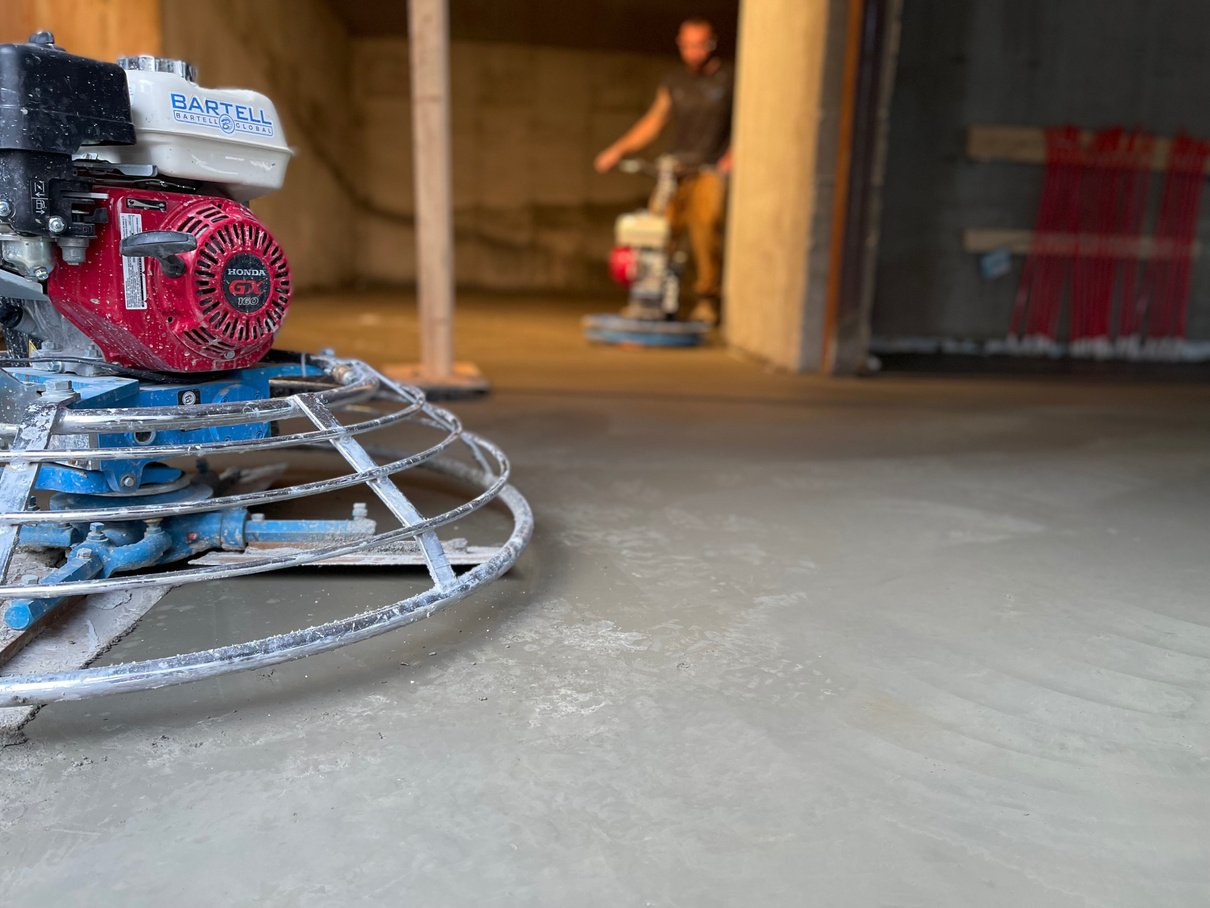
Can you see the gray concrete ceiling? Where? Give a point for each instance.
(635, 25)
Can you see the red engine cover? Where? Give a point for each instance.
(222, 313)
(622, 264)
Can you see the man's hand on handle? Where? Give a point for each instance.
(607, 160)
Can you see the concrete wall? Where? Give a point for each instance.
(1019, 62)
(299, 54)
(786, 139)
(527, 120)
(635, 26)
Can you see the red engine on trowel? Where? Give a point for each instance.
(122, 205)
(219, 280)
(643, 259)
(646, 261)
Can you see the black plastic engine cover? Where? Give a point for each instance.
(51, 104)
(53, 101)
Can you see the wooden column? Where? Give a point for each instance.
(428, 49)
(429, 52)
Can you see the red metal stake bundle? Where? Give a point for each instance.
(1045, 272)
(1166, 287)
(1194, 178)
(1093, 271)
(1135, 192)
(1090, 225)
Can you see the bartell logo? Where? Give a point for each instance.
(221, 115)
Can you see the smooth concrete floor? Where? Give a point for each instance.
(778, 641)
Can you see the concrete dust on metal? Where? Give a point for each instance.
(778, 641)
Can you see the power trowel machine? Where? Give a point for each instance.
(647, 261)
(140, 297)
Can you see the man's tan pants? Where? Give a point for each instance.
(698, 208)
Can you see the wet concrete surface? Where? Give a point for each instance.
(777, 641)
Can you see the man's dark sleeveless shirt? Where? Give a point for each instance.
(701, 112)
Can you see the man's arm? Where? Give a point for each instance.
(640, 135)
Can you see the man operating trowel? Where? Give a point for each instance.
(696, 99)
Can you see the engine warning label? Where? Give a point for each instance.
(39, 197)
(133, 282)
(246, 283)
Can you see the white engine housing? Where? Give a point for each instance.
(641, 229)
(227, 136)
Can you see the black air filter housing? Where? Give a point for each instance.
(51, 104)
(53, 101)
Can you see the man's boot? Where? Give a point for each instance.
(706, 311)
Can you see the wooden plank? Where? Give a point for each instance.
(429, 52)
(1020, 144)
(1021, 242)
(1027, 145)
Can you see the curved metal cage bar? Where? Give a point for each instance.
(355, 382)
(351, 385)
(203, 449)
(261, 565)
(221, 503)
(21, 690)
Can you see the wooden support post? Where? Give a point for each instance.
(429, 52)
(428, 49)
